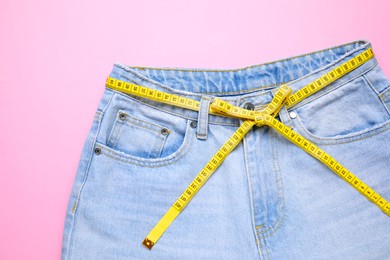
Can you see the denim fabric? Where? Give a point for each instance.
(269, 199)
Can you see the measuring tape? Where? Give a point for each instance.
(282, 98)
(329, 77)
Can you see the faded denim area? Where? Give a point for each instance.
(269, 199)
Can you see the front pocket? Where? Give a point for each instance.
(140, 132)
(136, 136)
(345, 111)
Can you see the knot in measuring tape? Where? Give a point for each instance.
(260, 118)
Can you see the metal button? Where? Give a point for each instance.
(122, 116)
(293, 114)
(97, 150)
(193, 124)
(249, 106)
(164, 131)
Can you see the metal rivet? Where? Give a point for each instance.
(122, 116)
(98, 150)
(164, 131)
(293, 114)
(249, 106)
(193, 124)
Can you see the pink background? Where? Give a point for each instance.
(56, 55)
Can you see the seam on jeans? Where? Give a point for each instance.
(173, 113)
(109, 101)
(265, 250)
(283, 218)
(74, 220)
(278, 202)
(251, 195)
(370, 84)
(261, 250)
(175, 157)
(160, 150)
(313, 98)
(112, 135)
(343, 140)
(134, 123)
(380, 95)
(117, 131)
(383, 95)
(283, 214)
(281, 200)
(262, 247)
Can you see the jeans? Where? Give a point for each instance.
(269, 199)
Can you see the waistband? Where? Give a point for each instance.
(256, 84)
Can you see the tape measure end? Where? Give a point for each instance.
(148, 243)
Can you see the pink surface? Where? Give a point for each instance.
(56, 55)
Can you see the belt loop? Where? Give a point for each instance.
(203, 118)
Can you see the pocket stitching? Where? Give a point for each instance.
(380, 95)
(309, 100)
(161, 146)
(152, 162)
(383, 96)
(141, 120)
(136, 122)
(113, 143)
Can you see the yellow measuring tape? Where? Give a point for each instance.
(283, 97)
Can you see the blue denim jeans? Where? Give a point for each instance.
(269, 199)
